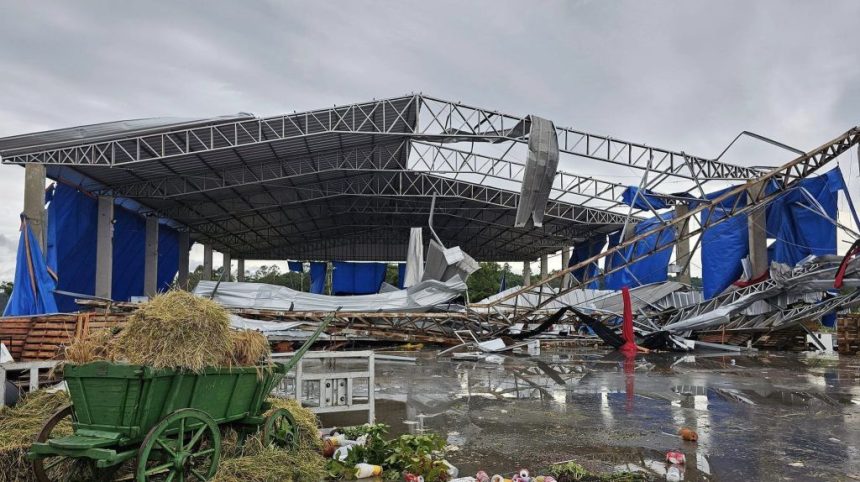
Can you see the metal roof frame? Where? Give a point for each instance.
(328, 183)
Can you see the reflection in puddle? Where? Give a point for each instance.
(593, 408)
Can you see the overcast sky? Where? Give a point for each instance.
(684, 75)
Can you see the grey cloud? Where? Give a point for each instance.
(683, 75)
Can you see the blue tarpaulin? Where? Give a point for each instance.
(645, 200)
(72, 222)
(650, 269)
(581, 252)
(357, 278)
(318, 271)
(793, 220)
(724, 245)
(295, 266)
(34, 285)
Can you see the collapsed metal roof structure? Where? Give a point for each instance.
(344, 182)
(347, 183)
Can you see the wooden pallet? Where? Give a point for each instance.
(44, 337)
(848, 333)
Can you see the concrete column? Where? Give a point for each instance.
(544, 266)
(527, 273)
(150, 263)
(682, 246)
(756, 224)
(240, 269)
(565, 258)
(227, 267)
(34, 201)
(184, 246)
(104, 247)
(207, 262)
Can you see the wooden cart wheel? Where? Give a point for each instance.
(281, 430)
(183, 446)
(43, 467)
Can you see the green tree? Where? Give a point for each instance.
(486, 281)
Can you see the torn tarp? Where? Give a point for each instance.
(653, 268)
(357, 278)
(642, 199)
(541, 166)
(583, 251)
(34, 284)
(421, 297)
(318, 273)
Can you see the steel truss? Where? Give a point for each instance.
(751, 191)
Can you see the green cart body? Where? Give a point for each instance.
(115, 405)
(120, 412)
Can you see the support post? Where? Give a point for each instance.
(544, 266)
(240, 270)
(104, 248)
(527, 273)
(565, 258)
(226, 267)
(184, 247)
(150, 264)
(34, 201)
(207, 262)
(757, 228)
(682, 247)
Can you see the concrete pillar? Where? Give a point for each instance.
(756, 224)
(527, 273)
(34, 201)
(565, 258)
(240, 269)
(544, 266)
(226, 267)
(184, 246)
(207, 262)
(682, 246)
(150, 263)
(104, 247)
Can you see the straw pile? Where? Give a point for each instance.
(98, 345)
(19, 426)
(176, 330)
(256, 463)
(248, 347)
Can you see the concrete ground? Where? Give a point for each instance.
(767, 416)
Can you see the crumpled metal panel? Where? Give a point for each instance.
(541, 166)
(421, 297)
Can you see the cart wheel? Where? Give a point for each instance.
(281, 430)
(44, 467)
(183, 446)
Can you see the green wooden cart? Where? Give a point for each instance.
(168, 420)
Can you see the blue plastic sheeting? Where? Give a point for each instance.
(645, 200)
(318, 271)
(581, 252)
(295, 266)
(357, 278)
(798, 232)
(72, 223)
(650, 269)
(723, 246)
(401, 275)
(34, 285)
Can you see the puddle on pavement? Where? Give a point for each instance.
(758, 417)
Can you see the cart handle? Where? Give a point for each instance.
(294, 360)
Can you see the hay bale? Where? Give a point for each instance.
(249, 347)
(307, 421)
(19, 426)
(95, 346)
(176, 330)
(271, 464)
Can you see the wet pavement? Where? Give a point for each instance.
(767, 416)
